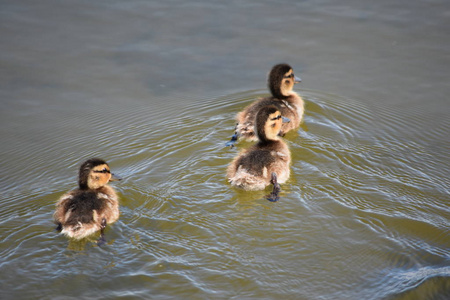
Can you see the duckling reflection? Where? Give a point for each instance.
(89, 208)
(281, 82)
(267, 162)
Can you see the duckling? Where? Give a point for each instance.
(265, 162)
(89, 208)
(280, 82)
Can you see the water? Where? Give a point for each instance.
(153, 88)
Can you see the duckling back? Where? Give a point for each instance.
(81, 212)
(252, 169)
(80, 209)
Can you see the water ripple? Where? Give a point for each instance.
(366, 191)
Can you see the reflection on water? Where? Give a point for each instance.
(365, 214)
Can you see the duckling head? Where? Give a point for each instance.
(268, 123)
(281, 81)
(95, 173)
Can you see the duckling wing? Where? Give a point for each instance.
(60, 211)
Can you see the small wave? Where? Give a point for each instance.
(357, 176)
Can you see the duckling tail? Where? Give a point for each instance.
(248, 184)
(79, 230)
(244, 180)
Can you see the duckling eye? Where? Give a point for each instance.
(276, 118)
(105, 170)
(289, 76)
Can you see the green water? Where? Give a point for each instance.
(153, 88)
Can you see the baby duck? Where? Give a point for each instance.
(280, 82)
(265, 162)
(89, 208)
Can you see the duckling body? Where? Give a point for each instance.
(267, 162)
(281, 81)
(89, 208)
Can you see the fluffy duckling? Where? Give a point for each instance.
(265, 162)
(280, 82)
(89, 208)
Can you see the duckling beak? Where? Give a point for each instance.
(297, 79)
(285, 120)
(115, 177)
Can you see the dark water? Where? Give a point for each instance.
(152, 87)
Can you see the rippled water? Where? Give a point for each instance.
(365, 214)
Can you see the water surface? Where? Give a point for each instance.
(153, 89)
